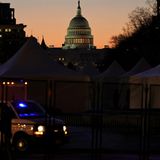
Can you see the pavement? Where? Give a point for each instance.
(82, 146)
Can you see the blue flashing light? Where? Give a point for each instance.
(22, 105)
(27, 114)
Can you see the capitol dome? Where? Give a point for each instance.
(79, 22)
(78, 32)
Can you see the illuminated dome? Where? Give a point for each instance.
(78, 22)
(78, 32)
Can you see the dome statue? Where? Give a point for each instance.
(78, 32)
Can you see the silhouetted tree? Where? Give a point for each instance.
(140, 36)
(139, 20)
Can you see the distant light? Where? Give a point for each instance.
(25, 83)
(4, 82)
(8, 82)
(22, 105)
(12, 83)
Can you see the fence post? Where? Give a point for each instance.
(97, 121)
(145, 126)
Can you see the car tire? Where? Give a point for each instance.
(21, 143)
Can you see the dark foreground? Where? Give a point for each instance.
(82, 146)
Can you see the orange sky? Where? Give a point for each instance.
(50, 18)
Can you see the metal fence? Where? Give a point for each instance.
(104, 118)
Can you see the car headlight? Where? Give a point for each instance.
(39, 130)
(65, 130)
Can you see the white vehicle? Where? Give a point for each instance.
(30, 125)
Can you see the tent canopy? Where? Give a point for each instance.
(142, 65)
(113, 72)
(31, 61)
(151, 76)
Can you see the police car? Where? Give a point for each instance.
(30, 124)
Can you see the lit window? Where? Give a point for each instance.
(6, 30)
(0, 35)
(9, 30)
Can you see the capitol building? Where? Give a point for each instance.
(78, 48)
(79, 32)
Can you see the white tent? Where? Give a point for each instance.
(31, 61)
(109, 83)
(141, 66)
(113, 73)
(150, 76)
(150, 79)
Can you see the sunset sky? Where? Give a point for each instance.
(50, 18)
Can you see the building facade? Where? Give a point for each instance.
(12, 35)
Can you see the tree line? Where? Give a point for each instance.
(140, 37)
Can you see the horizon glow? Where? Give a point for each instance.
(50, 18)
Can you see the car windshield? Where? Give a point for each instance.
(28, 109)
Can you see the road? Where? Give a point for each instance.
(82, 146)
